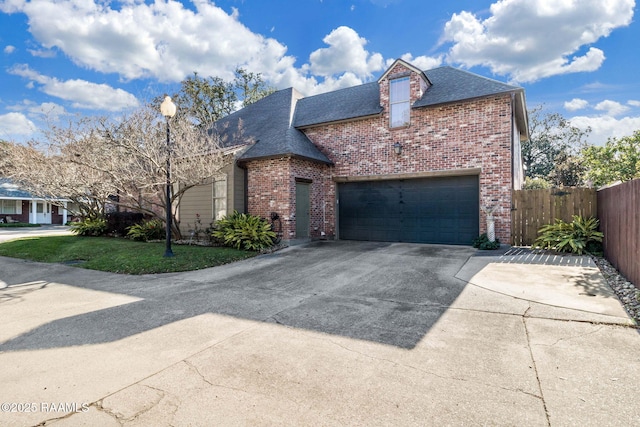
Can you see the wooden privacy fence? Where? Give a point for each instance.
(619, 213)
(531, 209)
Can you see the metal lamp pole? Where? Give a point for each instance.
(168, 110)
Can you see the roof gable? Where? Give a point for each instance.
(404, 64)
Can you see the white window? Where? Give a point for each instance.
(399, 102)
(219, 198)
(8, 206)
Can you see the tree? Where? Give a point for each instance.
(568, 170)
(250, 86)
(91, 160)
(617, 160)
(97, 161)
(209, 99)
(551, 152)
(46, 173)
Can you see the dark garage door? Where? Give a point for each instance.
(428, 210)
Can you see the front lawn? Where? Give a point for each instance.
(119, 255)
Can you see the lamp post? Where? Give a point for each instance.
(168, 110)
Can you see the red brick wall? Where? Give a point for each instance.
(272, 188)
(467, 135)
(474, 134)
(322, 196)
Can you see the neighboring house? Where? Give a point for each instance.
(415, 156)
(18, 205)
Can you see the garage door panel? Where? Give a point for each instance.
(431, 210)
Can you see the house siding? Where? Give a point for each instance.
(196, 201)
(199, 199)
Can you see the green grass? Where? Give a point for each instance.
(119, 255)
(17, 225)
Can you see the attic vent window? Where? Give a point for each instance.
(399, 102)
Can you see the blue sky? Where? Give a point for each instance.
(95, 57)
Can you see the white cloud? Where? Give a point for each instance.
(167, 41)
(9, 49)
(533, 39)
(634, 103)
(605, 127)
(43, 53)
(50, 110)
(576, 104)
(16, 124)
(611, 108)
(346, 53)
(164, 40)
(421, 62)
(81, 93)
(12, 6)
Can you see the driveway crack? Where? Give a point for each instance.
(444, 377)
(197, 371)
(99, 406)
(574, 336)
(533, 362)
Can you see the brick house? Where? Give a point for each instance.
(17, 205)
(415, 156)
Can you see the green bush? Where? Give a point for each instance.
(119, 222)
(90, 227)
(482, 242)
(579, 236)
(149, 230)
(535, 183)
(243, 231)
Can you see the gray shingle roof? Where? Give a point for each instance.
(9, 190)
(266, 125)
(343, 104)
(451, 84)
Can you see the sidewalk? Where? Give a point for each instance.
(526, 342)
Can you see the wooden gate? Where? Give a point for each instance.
(531, 209)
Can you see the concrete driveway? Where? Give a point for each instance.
(10, 233)
(328, 333)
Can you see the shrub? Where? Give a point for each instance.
(482, 242)
(119, 222)
(535, 183)
(149, 230)
(579, 236)
(243, 231)
(90, 227)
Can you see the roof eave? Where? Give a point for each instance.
(522, 116)
(455, 101)
(407, 65)
(242, 160)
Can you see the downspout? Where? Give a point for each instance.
(513, 120)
